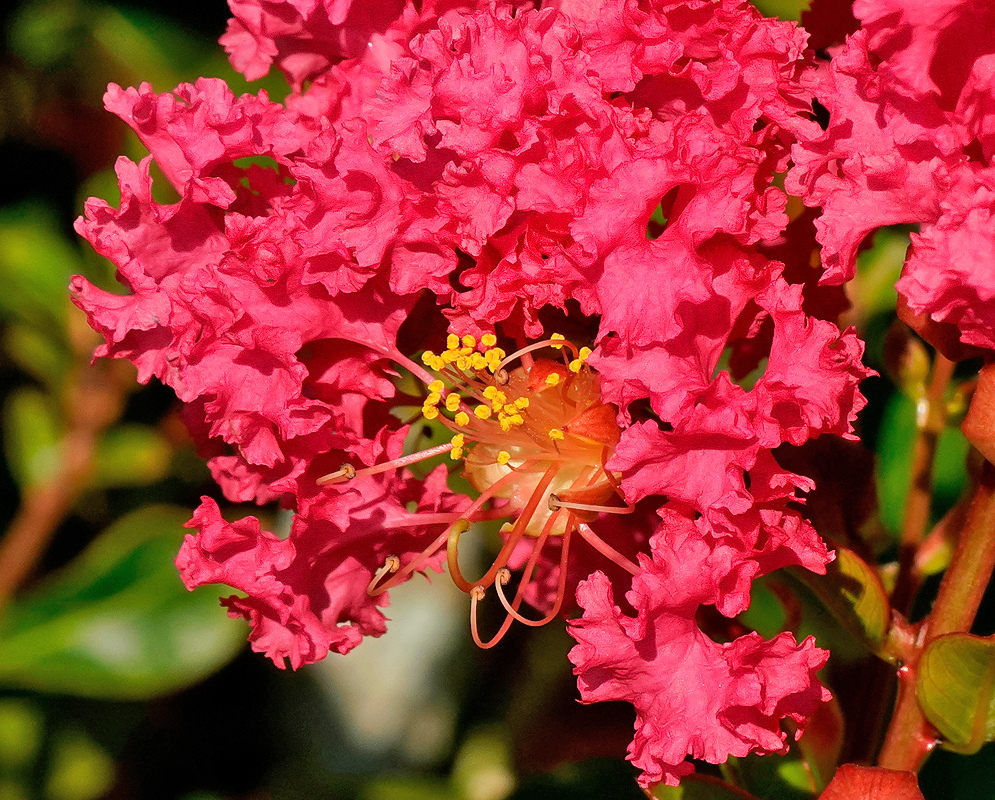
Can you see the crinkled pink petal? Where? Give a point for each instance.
(929, 47)
(883, 160)
(304, 39)
(948, 274)
(693, 697)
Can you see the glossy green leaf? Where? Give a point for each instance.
(852, 592)
(955, 686)
(32, 432)
(118, 622)
(700, 787)
(131, 455)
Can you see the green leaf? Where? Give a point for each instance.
(36, 261)
(878, 268)
(131, 455)
(955, 686)
(782, 9)
(894, 464)
(700, 787)
(852, 592)
(32, 432)
(39, 354)
(766, 615)
(118, 622)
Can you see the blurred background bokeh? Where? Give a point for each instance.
(114, 680)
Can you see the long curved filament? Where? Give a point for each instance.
(521, 524)
(455, 525)
(561, 586)
(606, 549)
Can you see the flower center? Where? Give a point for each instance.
(534, 440)
(540, 415)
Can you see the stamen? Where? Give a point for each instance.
(391, 564)
(476, 595)
(501, 374)
(347, 471)
(517, 532)
(555, 503)
(344, 473)
(606, 549)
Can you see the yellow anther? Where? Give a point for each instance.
(436, 363)
(557, 337)
(494, 357)
(433, 399)
(555, 434)
(477, 362)
(490, 391)
(488, 340)
(510, 408)
(436, 386)
(521, 403)
(552, 379)
(463, 363)
(462, 419)
(576, 364)
(509, 422)
(503, 457)
(428, 357)
(458, 440)
(482, 412)
(452, 402)
(452, 341)
(468, 341)
(457, 452)
(429, 412)
(449, 356)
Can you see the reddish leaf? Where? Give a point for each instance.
(853, 782)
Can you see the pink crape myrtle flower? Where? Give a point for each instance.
(487, 176)
(910, 139)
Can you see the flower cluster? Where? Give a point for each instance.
(492, 173)
(911, 138)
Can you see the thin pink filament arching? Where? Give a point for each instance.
(606, 549)
(561, 586)
(420, 560)
(521, 524)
